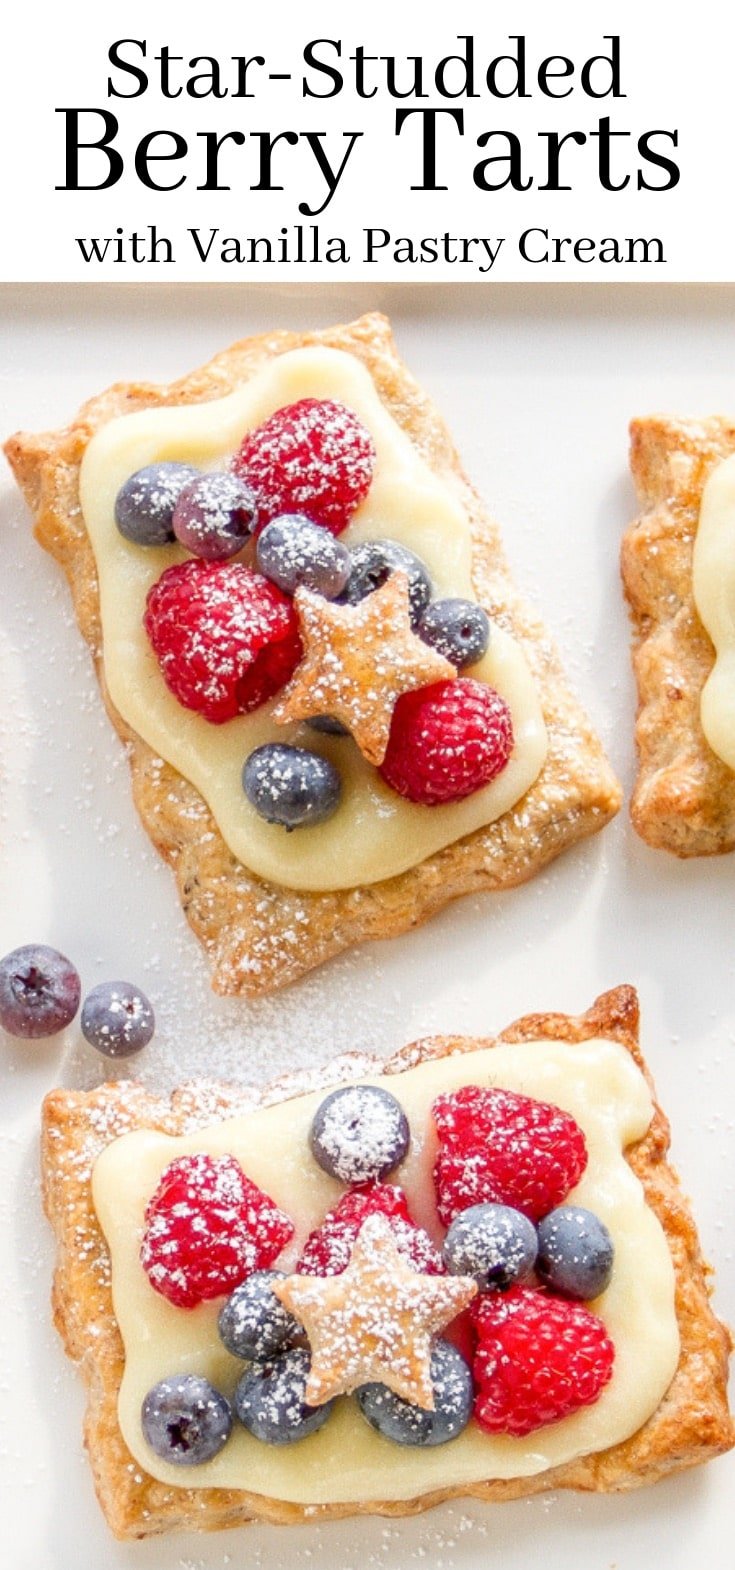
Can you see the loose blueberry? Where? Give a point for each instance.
(290, 786)
(575, 1252)
(396, 1419)
(144, 506)
(296, 553)
(359, 1133)
(458, 629)
(269, 1400)
(253, 1323)
(185, 1420)
(39, 991)
(372, 564)
(214, 515)
(117, 1019)
(327, 725)
(494, 1243)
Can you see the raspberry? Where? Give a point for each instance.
(327, 1249)
(313, 457)
(447, 740)
(538, 1359)
(207, 1228)
(225, 638)
(499, 1147)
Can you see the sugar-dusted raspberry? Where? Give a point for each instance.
(496, 1146)
(447, 740)
(313, 457)
(538, 1359)
(225, 638)
(206, 1228)
(327, 1249)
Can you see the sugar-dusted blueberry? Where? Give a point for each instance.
(575, 1252)
(296, 553)
(39, 991)
(458, 629)
(185, 1420)
(117, 1019)
(359, 1134)
(372, 564)
(144, 505)
(214, 515)
(494, 1243)
(291, 786)
(396, 1419)
(269, 1399)
(327, 725)
(253, 1323)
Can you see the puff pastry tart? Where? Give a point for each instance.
(339, 712)
(464, 1271)
(678, 564)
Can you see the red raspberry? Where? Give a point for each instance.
(207, 1227)
(538, 1359)
(447, 740)
(225, 638)
(499, 1147)
(327, 1249)
(313, 457)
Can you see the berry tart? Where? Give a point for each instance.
(339, 712)
(465, 1271)
(678, 564)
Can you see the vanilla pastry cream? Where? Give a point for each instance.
(347, 1461)
(374, 834)
(714, 597)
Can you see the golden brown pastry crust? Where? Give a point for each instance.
(260, 936)
(691, 1424)
(684, 796)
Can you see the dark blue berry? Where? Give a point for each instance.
(253, 1323)
(359, 1133)
(494, 1243)
(185, 1420)
(269, 1400)
(575, 1252)
(117, 1019)
(327, 725)
(290, 786)
(458, 629)
(144, 506)
(39, 991)
(214, 515)
(296, 553)
(396, 1419)
(372, 564)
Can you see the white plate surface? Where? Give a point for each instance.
(538, 385)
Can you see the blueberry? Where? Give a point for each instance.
(458, 629)
(494, 1243)
(214, 515)
(269, 1400)
(575, 1252)
(117, 1019)
(294, 553)
(327, 725)
(144, 505)
(39, 991)
(290, 786)
(396, 1419)
(253, 1323)
(372, 564)
(185, 1420)
(359, 1133)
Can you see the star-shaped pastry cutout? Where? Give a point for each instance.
(358, 659)
(375, 1321)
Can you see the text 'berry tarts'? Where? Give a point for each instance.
(461, 1271)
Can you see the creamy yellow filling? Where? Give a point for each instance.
(714, 596)
(346, 1460)
(374, 834)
